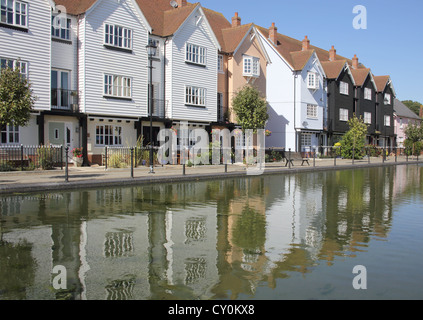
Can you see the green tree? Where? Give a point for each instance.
(354, 139)
(250, 108)
(16, 98)
(413, 105)
(414, 141)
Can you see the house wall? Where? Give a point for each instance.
(32, 46)
(364, 105)
(236, 67)
(280, 97)
(180, 74)
(97, 60)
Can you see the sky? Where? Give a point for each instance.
(390, 41)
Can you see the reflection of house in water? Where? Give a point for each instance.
(214, 239)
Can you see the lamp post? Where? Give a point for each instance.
(151, 51)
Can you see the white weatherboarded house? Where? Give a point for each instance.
(25, 42)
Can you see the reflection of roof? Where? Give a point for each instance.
(403, 111)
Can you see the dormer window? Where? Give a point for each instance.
(251, 67)
(312, 81)
(343, 88)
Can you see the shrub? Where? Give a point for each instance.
(46, 158)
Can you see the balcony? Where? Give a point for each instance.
(64, 100)
(159, 108)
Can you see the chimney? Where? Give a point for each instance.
(421, 112)
(332, 54)
(236, 20)
(273, 34)
(181, 3)
(355, 62)
(306, 44)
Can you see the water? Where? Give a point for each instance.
(293, 236)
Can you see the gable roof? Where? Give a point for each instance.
(360, 76)
(300, 58)
(403, 111)
(76, 7)
(333, 68)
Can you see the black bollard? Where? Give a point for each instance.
(66, 163)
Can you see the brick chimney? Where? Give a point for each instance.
(355, 62)
(273, 34)
(332, 54)
(306, 44)
(236, 20)
(181, 3)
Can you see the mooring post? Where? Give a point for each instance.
(314, 157)
(353, 156)
(132, 162)
(289, 158)
(66, 164)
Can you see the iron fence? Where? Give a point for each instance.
(124, 157)
(20, 157)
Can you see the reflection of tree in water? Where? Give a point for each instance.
(250, 231)
(17, 269)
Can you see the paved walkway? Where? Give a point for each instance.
(89, 177)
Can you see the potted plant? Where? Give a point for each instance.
(77, 157)
(268, 133)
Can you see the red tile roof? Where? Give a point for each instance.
(75, 7)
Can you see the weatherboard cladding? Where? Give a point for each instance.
(97, 60)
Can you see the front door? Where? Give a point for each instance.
(60, 133)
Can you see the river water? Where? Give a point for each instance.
(288, 236)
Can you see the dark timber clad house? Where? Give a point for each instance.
(341, 94)
(385, 111)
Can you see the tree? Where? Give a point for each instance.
(413, 106)
(16, 99)
(250, 108)
(354, 140)
(414, 143)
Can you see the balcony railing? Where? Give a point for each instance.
(159, 108)
(63, 99)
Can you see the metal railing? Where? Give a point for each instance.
(63, 99)
(159, 108)
(124, 157)
(20, 157)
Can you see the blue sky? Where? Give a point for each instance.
(391, 45)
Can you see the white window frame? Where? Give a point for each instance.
(343, 114)
(61, 27)
(117, 86)
(367, 118)
(343, 88)
(387, 99)
(195, 54)
(368, 93)
(113, 135)
(118, 36)
(251, 67)
(306, 139)
(387, 121)
(14, 63)
(220, 63)
(19, 15)
(312, 111)
(312, 81)
(195, 96)
(11, 133)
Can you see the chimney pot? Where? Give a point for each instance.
(236, 20)
(273, 34)
(306, 44)
(332, 54)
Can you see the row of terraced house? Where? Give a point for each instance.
(88, 66)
